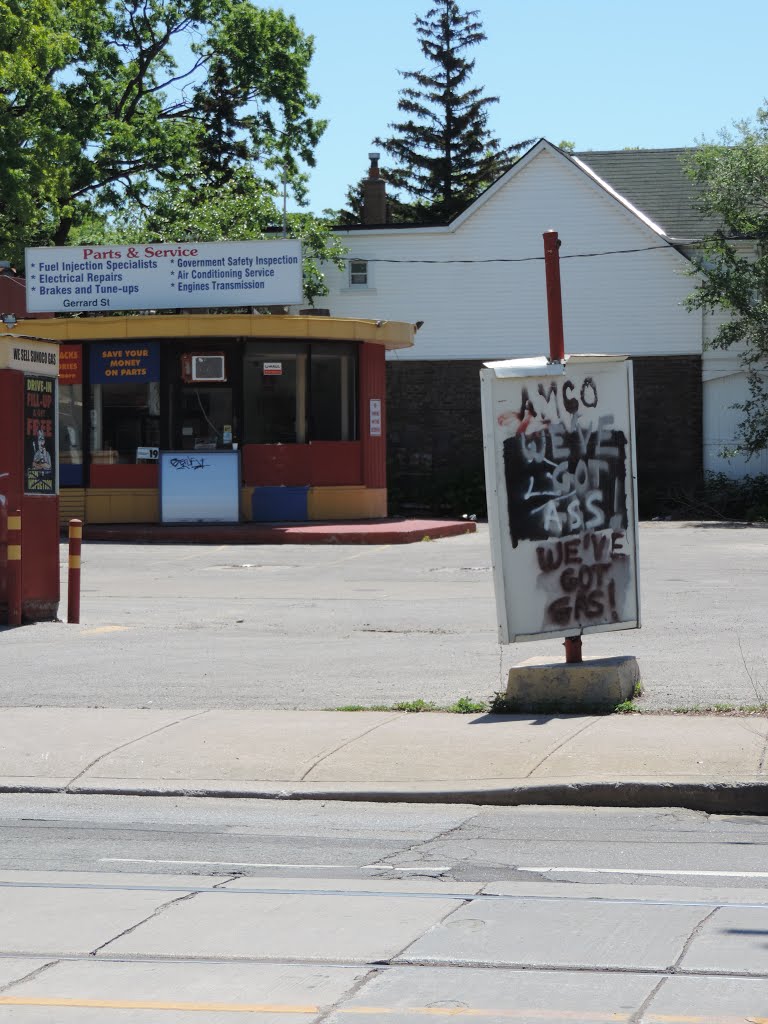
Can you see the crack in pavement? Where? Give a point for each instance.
(415, 849)
(155, 913)
(122, 746)
(560, 745)
(28, 977)
(346, 743)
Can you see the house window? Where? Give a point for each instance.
(358, 273)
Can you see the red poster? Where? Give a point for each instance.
(71, 364)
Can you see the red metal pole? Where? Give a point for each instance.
(554, 297)
(14, 590)
(557, 354)
(73, 577)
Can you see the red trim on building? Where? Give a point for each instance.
(373, 386)
(127, 475)
(335, 463)
(13, 299)
(319, 464)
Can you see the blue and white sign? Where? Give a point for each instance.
(164, 275)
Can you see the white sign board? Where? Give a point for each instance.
(29, 356)
(199, 487)
(164, 275)
(562, 502)
(375, 417)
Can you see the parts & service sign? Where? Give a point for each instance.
(163, 276)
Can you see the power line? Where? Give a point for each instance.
(509, 259)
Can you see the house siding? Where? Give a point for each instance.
(474, 311)
(629, 303)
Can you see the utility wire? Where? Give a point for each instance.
(505, 259)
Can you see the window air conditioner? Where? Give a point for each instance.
(203, 366)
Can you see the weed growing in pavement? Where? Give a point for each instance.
(462, 706)
(467, 706)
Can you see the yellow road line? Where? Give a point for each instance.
(150, 1004)
(416, 1011)
(102, 629)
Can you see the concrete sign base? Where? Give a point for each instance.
(593, 685)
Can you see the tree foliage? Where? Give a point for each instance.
(171, 115)
(444, 152)
(733, 260)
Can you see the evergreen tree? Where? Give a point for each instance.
(445, 153)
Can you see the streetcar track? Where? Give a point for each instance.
(520, 967)
(221, 889)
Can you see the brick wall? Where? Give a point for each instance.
(435, 439)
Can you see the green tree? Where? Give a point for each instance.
(444, 152)
(106, 102)
(733, 260)
(235, 205)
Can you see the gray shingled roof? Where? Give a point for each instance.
(654, 181)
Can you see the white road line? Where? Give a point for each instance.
(214, 863)
(646, 871)
(250, 864)
(416, 867)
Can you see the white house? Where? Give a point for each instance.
(627, 226)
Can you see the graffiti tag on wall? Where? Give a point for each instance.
(565, 469)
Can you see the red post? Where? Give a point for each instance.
(14, 591)
(554, 296)
(73, 577)
(557, 354)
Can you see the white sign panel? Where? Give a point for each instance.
(375, 417)
(562, 504)
(199, 487)
(164, 275)
(30, 356)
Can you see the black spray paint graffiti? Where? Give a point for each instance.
(565, 465)
(585, 578)
(189, 462)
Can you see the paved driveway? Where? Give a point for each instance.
(322, 627)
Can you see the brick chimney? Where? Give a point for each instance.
(374, 194)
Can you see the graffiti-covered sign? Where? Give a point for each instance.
(39, 435)
(560, 475)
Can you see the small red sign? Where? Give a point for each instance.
(70, 364)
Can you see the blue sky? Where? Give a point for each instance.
(603, 73)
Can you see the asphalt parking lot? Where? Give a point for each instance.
(174, 626)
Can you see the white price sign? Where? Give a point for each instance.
(375, 417)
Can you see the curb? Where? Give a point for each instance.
(746, 797)
(373, 532)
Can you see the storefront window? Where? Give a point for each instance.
(275, 395)
(124, 417)
(71, 424)
(295, 394)
(71, 415)
(333, 395)
(125, 401)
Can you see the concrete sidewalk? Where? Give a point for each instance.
(711, 763)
